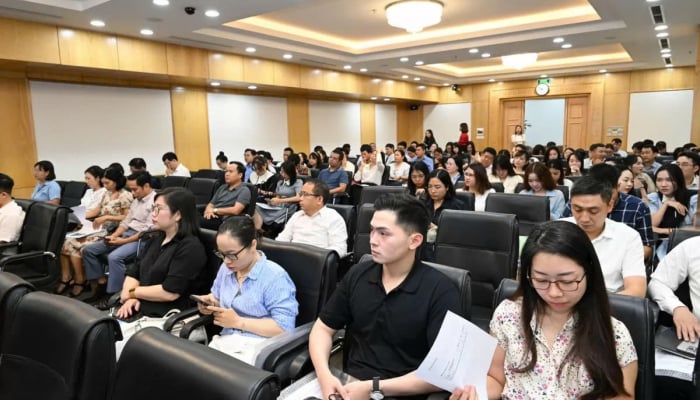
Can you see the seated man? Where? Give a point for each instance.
(334, 176)
(316, 224)
(618, 246)
(11, 214)
(139, 164)
(369, 171)
(421, 156)
(391, 307)
(232, 198)
(173, 167)
(123, 243)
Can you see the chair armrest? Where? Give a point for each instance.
(271, 350)
(194, 324)
(8, 245)
(16, 258)
(171, 321)
(301, 365)
(344, 264)
(438, 396)
(200, 208)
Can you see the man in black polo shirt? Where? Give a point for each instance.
(392, 308)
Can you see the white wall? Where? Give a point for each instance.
(444, 120)
(237, 122)
(81, 125)
(544, 121)
(385, 124)
(665, 115)
(334, 123)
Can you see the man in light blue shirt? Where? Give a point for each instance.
(420, 156)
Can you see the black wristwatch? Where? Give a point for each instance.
(376, 393)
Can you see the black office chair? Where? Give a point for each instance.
(370, 194)
(157, 365)
(52, 337)
(250, 209)
(498, 187)
(43, 232)
(73, 193)
(467, 198)
(203, 190)
(637, 315)
(362, 230)
(484, 243)
(216, 174)
(174, 181)
(679, 235)
(24, 203)
(530, 210)
(314, 172)
(565, 191)
(12, 288)
(349, 216)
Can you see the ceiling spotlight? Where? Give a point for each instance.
(404, 76)
(566, 46)
(146, 32)
(363, 69)
(373, 98)
(661, 27)
(386, 99)
(416, 78)
(376, 80)
(602, 71)
(97, 23)
(287, 56)
(558, 40)
(419, 62)
(346, 67)
(665, 51)
(445, 84)
(666, 55)
(421, 87)
(215, 83)
(252, 87)
(161, 3)
(492, 80)
(473, 51)
(662, 34)
(669, 65)
(211, 13)
(317, 71)
(485, 55)
(250, 50)
(403, 59)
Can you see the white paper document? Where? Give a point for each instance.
(86, 228)
(461, 355)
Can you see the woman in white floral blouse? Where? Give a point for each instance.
(556, 338)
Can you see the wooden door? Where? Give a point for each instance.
(576, 122)
(513, 114)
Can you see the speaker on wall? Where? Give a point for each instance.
(413, 107)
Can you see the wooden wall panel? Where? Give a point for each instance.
(257, 70)
(18, 150)
(662, 79)
(227, 67)
(695, 130)
(287, 75)
(88, 49)
(368, 128)
(27, 41)
(191, 127)
(142, 56)
(187, 61)
(409, 124)
(298, 131)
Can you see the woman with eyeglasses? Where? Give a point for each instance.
(172, 262)
(556, 337)
(476, 181)
(252, 297)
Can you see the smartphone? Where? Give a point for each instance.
(199, 300)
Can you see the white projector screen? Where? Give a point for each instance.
(385, 124)
(334, 123)
(81, 125)
(237, 122)
(444, 120)
(665, 115)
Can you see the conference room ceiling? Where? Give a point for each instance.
(354, 34)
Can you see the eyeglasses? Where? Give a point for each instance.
(304, 194)
(564, 286)
(685, 164)
(156, 210)
(230, 256)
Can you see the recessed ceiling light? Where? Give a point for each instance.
(376, 80)
(161, 3)
(404, 76)
(67, 33)
(666, 55)
(179, 89)
(419, 62)
(215, 83)
(363, 69)
(347, 67)
(566, 46)
(317, 71)
(97, 23)
(252, 87)
(558, 40)
(403, 59)
(652, 1)
(485, 55)
(602, 71)
(661, 27)
(445, 84)
(543, 76)
(662, 34)
(373, 98)
(287, 56)
(416, 78)
(212, 13)
(250, 50)
(665, 51)
(421, 87)
(669, 65)
(473, 51)
(386, 99)
(492, 80)
(146, 32)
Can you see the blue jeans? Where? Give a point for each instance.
(116, 261)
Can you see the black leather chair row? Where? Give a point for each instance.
(72, 192)
(530, 210)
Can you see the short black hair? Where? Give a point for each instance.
(318, 148)
(606, 173)
(169, 156)
(402, 143)
(141, 177)
(366, 147)
(595, 146)
(138, 163)
(411, 214)
(390, 145)
(421, 145)
(239, 166)
(661, 144)
(590, 185)
(46, 166)
(693, 156)
(637, 145)
(6, 184)
(616, 141)
(647, 145)
(96, 171)
(489, 150)
(252, 152)
(320, 188)
(339, 151)
(289, 149)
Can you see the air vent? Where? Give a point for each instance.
(657, 14)
(200, 42)
(325, 64)
(664, 43)
(33, 13)
(668, 61)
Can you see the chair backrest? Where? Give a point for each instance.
(25, 203)
(498, 187)
(484, 243)
(679, 235)
(12, 288)
(349, 216)
(158, 365)
(73, 193)
(467, 198)
(69, 337)
(565, 191)
(462, 279)
(203, 189)
(362, 229)
(250, 210)
(638, 316)
(313, 270)
(209, 174)
(371, 193)
(385, 175)
(304, 178)
(211, 268)
(174, 181)
(314, 172)
(530, 210)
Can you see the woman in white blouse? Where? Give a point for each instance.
(504, 173)
(476, 181)
(93, 195)
(398, 170)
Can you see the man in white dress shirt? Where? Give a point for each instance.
(173, 167)
(11, 214)
(619, 247)
(316, 224)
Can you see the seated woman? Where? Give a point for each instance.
(539, 182)
(93, 195)
(672, 206)
(575, 162)
(47, 189)
(418, 184)
(399, 169)
(556, 337)
(556, 168)
(112, 209)
(442, 196)
(453, 166)
(504, 173)
(285, 201)
(476, 181)
(642, 182)
(221, 161)
(315, 161)
(625, 183)
(261, 177)
(172, 261)
(252, 298)
(520, 162)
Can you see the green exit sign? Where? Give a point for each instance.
(543, 81)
